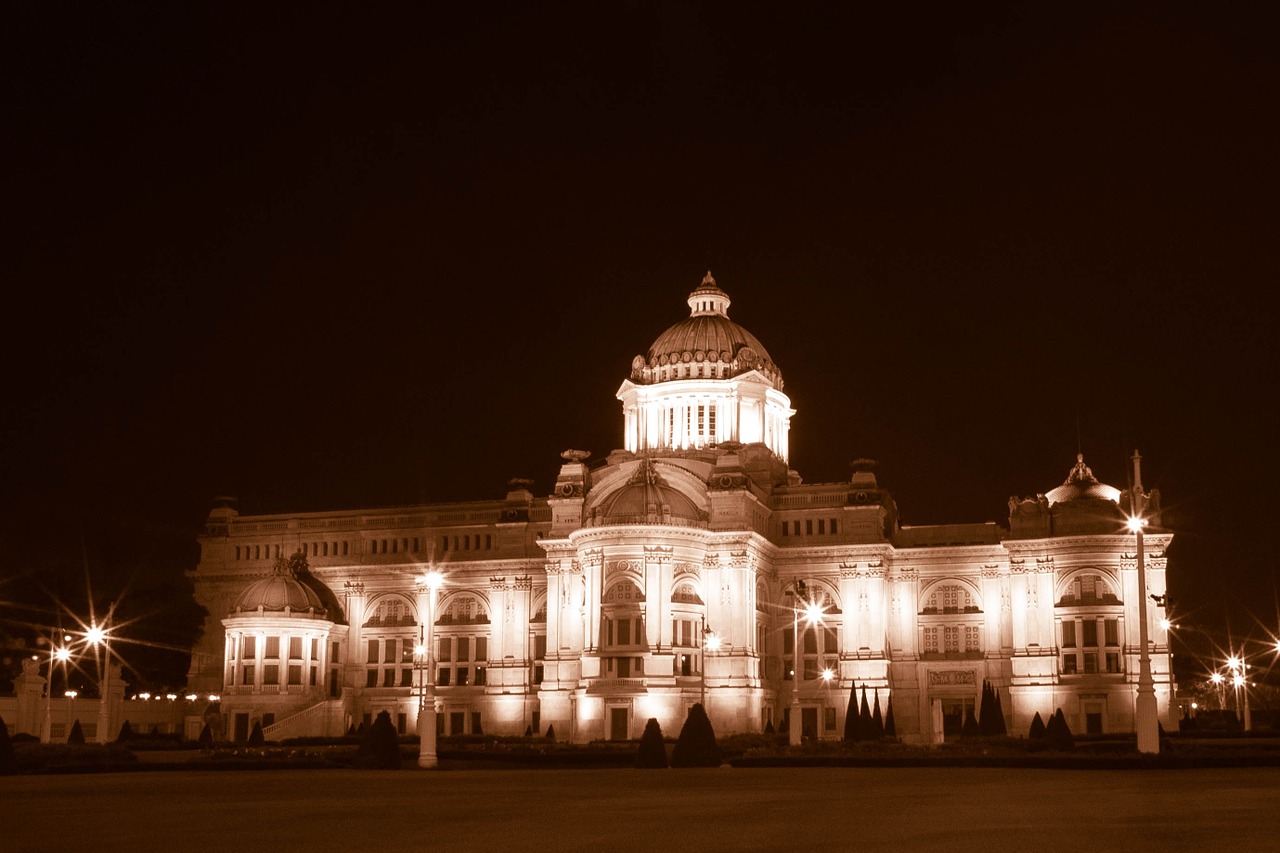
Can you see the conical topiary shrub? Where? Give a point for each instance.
(1037, 731)
(851, 729)
(1058, 733)
(255, 736)
(864, 717)
(987, 710)
(126, 733)
(970, 727)
(1000, 728)
(890, 728)
(696, 746)
(877, 722)
(653, 751)
(551, 732)
(206, 737)
(380, 747)
(769, 729)
(76, 735)
(8, 761)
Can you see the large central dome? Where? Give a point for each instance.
(705, 345)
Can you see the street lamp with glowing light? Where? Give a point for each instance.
(57, 654)
(97, 635)
(428, 587)
(813, 613)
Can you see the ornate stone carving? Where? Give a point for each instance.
(1017, 565)
(850, 570)
(498, 583)
(1044, 564)
(711, 561)
(945, 677)
(552, 567)
(726, 593)
(354, 587)
(990, 570)
(684, 568)
(628, 566)
(738, 559)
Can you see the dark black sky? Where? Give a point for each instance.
(320, 256)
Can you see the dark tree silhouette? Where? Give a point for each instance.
(77, 734)
(852, 731)
(970, 727)
(1037, 731)
(255, 737)
(877, 722)
(126, 733)
(380, 747)
(890, 728)
(653, 751)
(696, 746)
(8, 761)
(206, 737)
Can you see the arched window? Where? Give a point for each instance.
(623, 635)
(462, 642)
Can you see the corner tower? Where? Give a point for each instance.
(705, 381)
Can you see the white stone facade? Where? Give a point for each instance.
(587, 610)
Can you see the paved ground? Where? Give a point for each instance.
(955, 809)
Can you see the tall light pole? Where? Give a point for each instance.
(98, 636)
(710, 643)
(813, 616)
(1240, 681)
(1147, 718)
(429, 583)
(59, 654)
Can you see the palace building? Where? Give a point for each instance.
(677, 570)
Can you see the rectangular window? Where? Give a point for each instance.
(295, 674)
(971, 638)
(442, 676)
(822, 527)
(808, 527)
(1068, 635)
(444, 649)
(373, 652)
(1113, 632)
(832, 527)
(464, 673)
(475, 722)
(389, 651)
(1091, 662)
(537, 675)
(333, 653)
(247, 648)
(540, 647)
(406, 677)
(711, 421)
(624, 632)
(388, 678)
(315, 648)
(246, 674)
(1069, 664)
(464, 648)
(295, 648)
(788, 643)
(402, 723)
(272, 648)
(810, 637)
(1113, 661)
(830, 645)
(480, 675)
(482, 648)
(371, 679)
(931, 640)
(1090, 632)
(271, 674)
(315, 675)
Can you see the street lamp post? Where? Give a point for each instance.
(1147, 717)
(812, 615)
(1240, 682)
(427, 758)
(56, 654)
(710, 643)
(97, 636)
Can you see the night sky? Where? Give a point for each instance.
(323, 257)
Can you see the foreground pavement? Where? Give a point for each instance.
(953, 809)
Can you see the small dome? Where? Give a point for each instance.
(1081, 483)
(648, 499)
(279, 593)
(706, 337)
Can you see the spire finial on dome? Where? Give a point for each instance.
(708, 298)
(1080, 473)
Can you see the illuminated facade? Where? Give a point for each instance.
(589, 609)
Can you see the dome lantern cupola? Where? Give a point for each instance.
(704, 381)
(708, 298)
